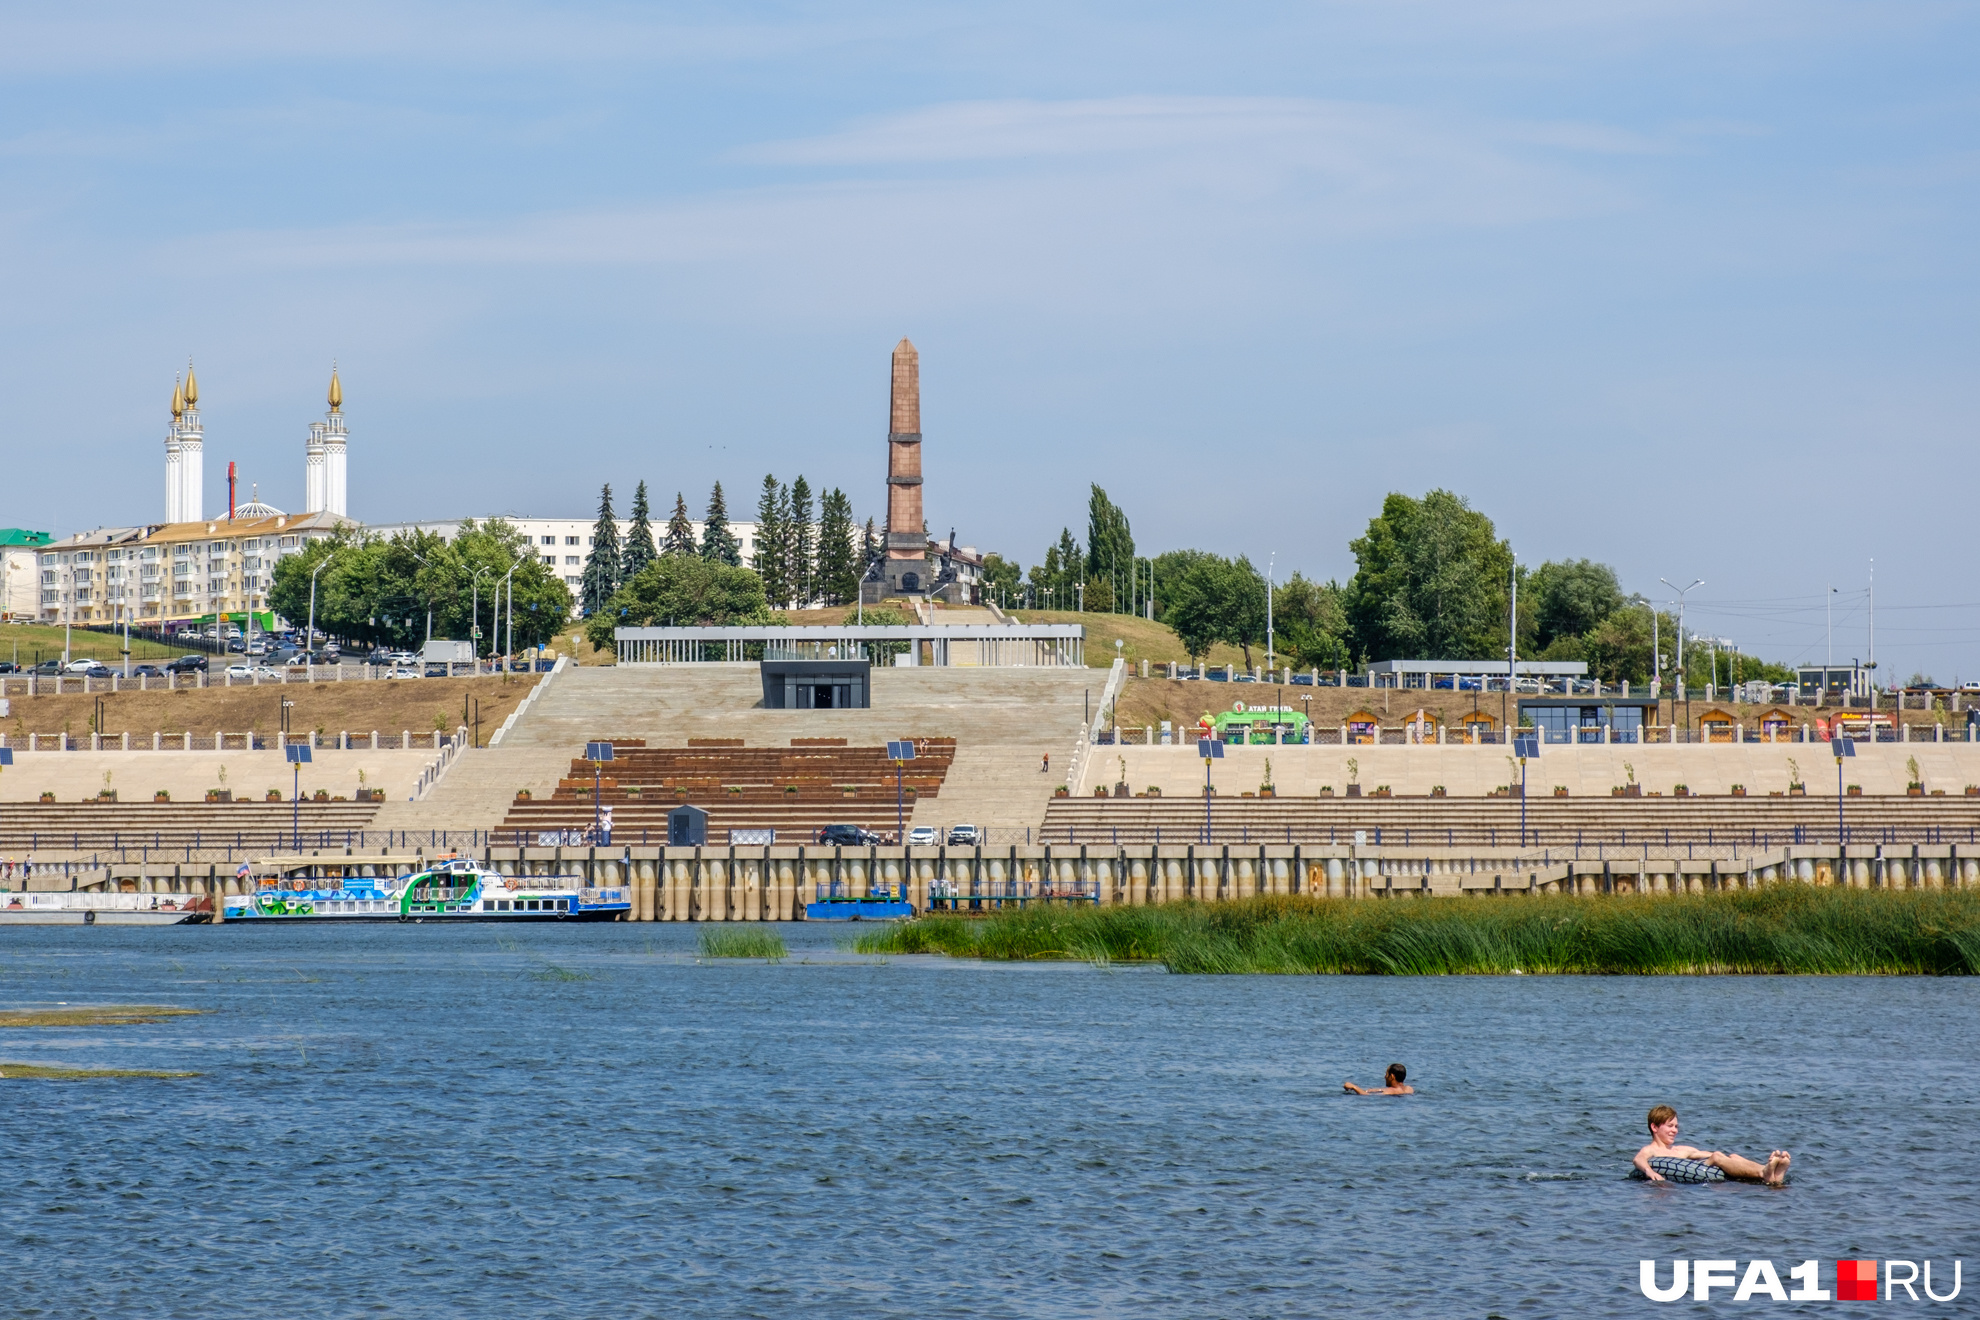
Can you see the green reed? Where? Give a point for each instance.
(741, 942)
(1780, 929)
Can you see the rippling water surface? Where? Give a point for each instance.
(564, 1121)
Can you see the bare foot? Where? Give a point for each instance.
(1777, 1167)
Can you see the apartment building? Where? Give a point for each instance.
(171, 573)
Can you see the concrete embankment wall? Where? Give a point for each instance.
(1585, 770)
(773, 884)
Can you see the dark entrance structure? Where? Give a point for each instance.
(687, 827)
(817, 684)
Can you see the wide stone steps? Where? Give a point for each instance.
(1474, 820)
(163, 825)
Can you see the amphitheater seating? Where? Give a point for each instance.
(794, 790)
(76, 826)
(1426, 820)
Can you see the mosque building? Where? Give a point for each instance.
(195, 567)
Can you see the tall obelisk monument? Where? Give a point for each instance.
(907, 536)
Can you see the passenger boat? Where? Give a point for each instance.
(449, 889)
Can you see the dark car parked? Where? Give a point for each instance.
(9, 667)
(186, 664)
(146, 671)
(851, 835)
(47, 667)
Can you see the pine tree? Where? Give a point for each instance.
(601, 566)
(680, 532)
(770, 559)
(800, 544)
(638, 551)
(838, 556)
(718, 543)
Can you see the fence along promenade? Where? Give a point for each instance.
(773, 884)
(987, 646)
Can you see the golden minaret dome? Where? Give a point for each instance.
(192, 386)
(336, 390)
(178, 398)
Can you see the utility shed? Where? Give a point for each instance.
(817, 684)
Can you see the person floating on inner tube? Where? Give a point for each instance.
(1392, 1083)
(1663, 1146)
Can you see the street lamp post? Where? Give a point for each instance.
(509, 643)
(474, 609)
(1680, 656)
(1271, 561)
(1210, 749)
(598, 753)
(309, 632)
(1843, 749)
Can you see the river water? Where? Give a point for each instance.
(588, 1121)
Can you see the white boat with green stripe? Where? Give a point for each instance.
(447, 889)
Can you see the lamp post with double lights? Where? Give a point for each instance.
(1680, 655)
(309, 632)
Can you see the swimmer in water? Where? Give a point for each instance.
(1663, 1143)
(1392, 1083)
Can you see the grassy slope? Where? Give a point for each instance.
(34, 641)
(1141, 639)
(1786, 929)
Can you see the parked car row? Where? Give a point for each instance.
(919, 836)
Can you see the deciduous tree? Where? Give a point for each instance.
(676, 591)
(1431, 582)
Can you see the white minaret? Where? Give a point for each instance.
(323, 463)
(191, 484)
(313, 496)
(172, 453)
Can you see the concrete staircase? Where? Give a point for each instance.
(477, 789)
(1003, 721)
(998, 788)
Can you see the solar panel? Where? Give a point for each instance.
(297, 753)
(900, 751)
(598, 751)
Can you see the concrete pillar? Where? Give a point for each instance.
(749, 880)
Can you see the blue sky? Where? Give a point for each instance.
(1684, 287)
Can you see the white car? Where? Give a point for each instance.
(405, 673)
(268, 672)
(965, 836)
(80, 666)
(240, 671)
(923, 836)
